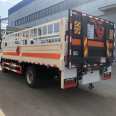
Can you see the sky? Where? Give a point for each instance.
(5, 5)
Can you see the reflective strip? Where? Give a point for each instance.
(76, 42)
(95, 43)
(85, 47)
(42, 55)
(108, 49)
(10, 53)
(35, 55)
(85, 42)
(111, 45)
(85, 52)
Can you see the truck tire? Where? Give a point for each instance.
(32, 77)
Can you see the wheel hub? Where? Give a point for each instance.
(29, 78)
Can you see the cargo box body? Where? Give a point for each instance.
(73, 48)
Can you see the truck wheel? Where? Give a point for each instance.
(32, 77)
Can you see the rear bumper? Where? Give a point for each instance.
(71, 79)
(96, 75)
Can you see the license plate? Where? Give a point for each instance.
(91, 77)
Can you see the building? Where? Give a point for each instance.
(102, 8)
(3, 26)
(4, 23)
(29, 13)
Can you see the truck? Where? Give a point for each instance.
(76, 50)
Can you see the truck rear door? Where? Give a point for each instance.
(90, 39)
(100, 37)
(75, 44)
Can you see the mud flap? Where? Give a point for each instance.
(68, 78)
(107, 74)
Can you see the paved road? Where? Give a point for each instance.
(17, 99)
